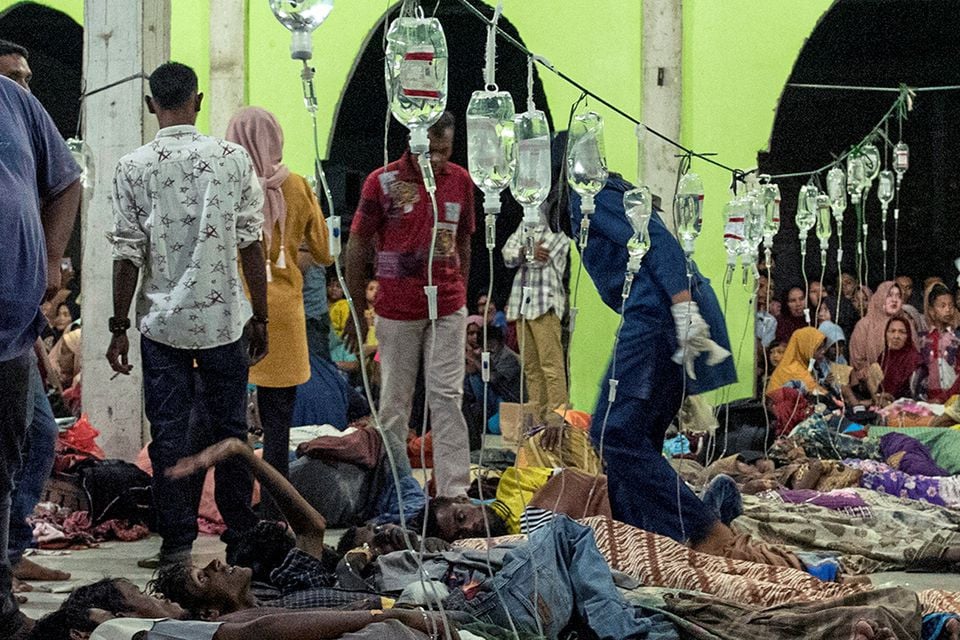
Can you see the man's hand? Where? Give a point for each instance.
(350, 338)
(553, 436)
(207, 458)
(256, 334)
(541, 254)
(117, 354)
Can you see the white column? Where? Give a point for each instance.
(227, 77)
(120, 39)
(662, 94)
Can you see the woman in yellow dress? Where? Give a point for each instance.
(292, 218)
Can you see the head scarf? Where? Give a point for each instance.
(787, 323)
(802, 345)
(833, 333)
(869, 339)
(475, 319)
(900, 364)
(257, 131)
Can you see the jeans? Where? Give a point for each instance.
(186, 415)
(14, 383)
(38, 453)
(723, 497)
(401, 344)
(561, 568)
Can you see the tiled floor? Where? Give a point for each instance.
(120, 559)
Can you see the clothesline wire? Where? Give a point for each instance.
(546, 64)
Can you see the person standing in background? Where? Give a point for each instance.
(292, 218)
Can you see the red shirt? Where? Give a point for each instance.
(395, 207)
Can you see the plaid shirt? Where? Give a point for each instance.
(545, 279)
(304, 582)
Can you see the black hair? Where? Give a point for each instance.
(74, 613)
(264, 548)
(494, 333)
(7, 48)
(348, 540)
(172, 84)
(936, 290)
(498, 527)
(172, 583)
(446, 121)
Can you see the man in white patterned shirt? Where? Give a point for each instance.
(184, 206)
(541, 275)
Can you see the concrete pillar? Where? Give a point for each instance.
(120, 39)
(662, 94)
(227, 91)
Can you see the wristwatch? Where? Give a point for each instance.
(118, 326)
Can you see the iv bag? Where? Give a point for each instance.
(491, 144)
(586, 162)
(901, 159)
(83, 155)
(415, 69)
(806, 217)
(856, 176)
(638, 207)
(756, 216)
(531, 179)
(824, 213)
(770, 197)
(688, 208)
(734, 231)
(871, 160)
(885, 188)
(837, 190)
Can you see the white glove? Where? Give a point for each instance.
(693, 338)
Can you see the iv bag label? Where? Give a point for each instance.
(734, 229)
(417, 77)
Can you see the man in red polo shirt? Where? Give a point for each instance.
(395, 220)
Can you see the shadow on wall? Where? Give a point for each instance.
(55, 43)
(883, 44)
(357, 145)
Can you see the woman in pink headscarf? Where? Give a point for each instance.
(868, 341)
(293, 224)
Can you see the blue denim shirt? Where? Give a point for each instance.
(648, 337)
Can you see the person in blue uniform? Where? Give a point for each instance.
(673, 342)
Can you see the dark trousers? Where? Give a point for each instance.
(186, 415)
(14, 383)
(276, 416)
(644, 489)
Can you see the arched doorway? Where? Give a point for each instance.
(357, 144)
(55, 44)
(883, 44)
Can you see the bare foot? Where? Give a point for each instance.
(27, 569)
(951, 629)
(862, 630)
(20, 586)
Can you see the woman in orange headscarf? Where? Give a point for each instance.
(805, 345)
(292, 219)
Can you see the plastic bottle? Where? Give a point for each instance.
(837, 190)
(806, 217)
(885, 190)
(531, 178)
(415, 70)
(824, 213)
(901, 160)
(688, 207)
(871, 160)
(638, 207)
(856, 176)
(491, 150)
(586, 165)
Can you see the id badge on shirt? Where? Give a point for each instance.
(451, 212)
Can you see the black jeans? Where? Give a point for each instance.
(14, 383)
(190, 408)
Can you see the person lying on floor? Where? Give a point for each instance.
(303, 574)
(754, 472)
(115, 608)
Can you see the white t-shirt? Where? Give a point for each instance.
(156, 628)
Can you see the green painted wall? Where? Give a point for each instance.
(737, 55)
